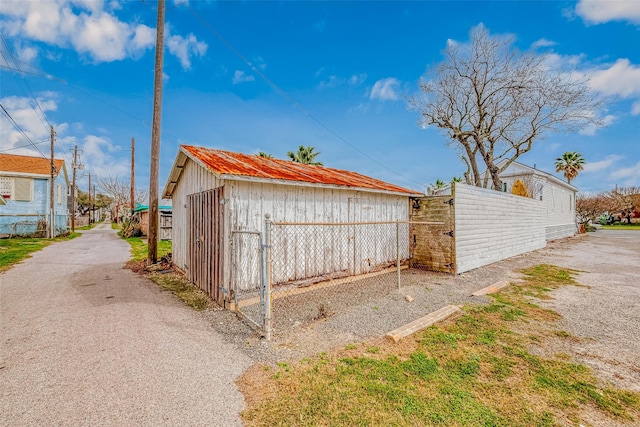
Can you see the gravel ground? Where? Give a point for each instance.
(85, 342)
(602, 317)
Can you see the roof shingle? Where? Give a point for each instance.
(28, 165)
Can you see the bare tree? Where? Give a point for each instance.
(625, 200)
(119, 190)
(495, 102)
(534, 185)
(590, 207)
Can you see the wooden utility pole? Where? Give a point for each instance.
(52, 212)
(73, 190)
(155, 139)
(133, 181)
(89, 193)
(93, 212)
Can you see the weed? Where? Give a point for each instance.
(476, 371)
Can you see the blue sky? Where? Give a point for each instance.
(346, 70)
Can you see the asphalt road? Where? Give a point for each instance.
(86, 342)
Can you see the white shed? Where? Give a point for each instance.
(217, 193)
(559, 197)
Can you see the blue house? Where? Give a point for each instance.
(24, 195)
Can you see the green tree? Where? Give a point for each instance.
(571, 163)
(305, 155)
(99, 201)
(265, 155)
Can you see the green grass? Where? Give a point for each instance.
(87, 227)
(476, 370)
(12, 251)
(632, 226)
(140, 248)
(180, 286)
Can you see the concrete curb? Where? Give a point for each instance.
(423, 322)
(491, 289)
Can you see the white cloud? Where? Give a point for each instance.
(600, 11)
(240, 77)
(24, 113)
(185, 47)
(602, 164)
(542, 43)
(335, 81)
(385, 89)
(331, 81)
(357, 79)
(635, 108)
(90, 28)
(591, 129)
(627, 176)
(622, 78)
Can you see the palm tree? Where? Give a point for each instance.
(570, 163)
(305, 155)
(265, 155)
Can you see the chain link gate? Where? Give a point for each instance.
(247, 276)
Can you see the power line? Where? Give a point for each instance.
(19, 129)
(4, 40)
(23, 146)
(287, 96)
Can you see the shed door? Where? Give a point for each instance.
(206, 231)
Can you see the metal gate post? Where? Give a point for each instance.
(266, 283)
(398, 250)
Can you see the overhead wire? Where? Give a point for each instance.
(288, 97)
(41, 115)
(19, 129)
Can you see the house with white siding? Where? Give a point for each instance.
(24, 195)
(558, 196)
(218, 193)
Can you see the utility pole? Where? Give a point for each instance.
(73, 190)
(52, 213)
(93, 212)
(155, 139)
(89, 193)
(133, 171)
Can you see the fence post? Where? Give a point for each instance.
(266, 282)
(398, 250)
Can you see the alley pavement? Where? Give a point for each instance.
(86, 342)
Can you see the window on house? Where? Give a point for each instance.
(6, 187)
(23, 188)
(504, 187)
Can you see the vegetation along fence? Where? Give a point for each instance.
(295, 273)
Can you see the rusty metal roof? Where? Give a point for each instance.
(229, 165)
(28, 165)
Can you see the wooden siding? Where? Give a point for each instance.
(303, 251)
(205, 242)
(193, 180)
(28, 212)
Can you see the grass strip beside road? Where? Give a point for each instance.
(173, 282)
(14, 250)
(479, 369)
(632, 226)
(140, 248)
